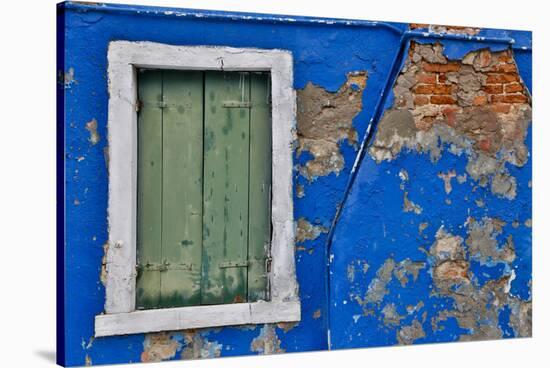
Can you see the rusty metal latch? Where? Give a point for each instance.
(165, 266)
(233, 264)
(268, 265)
(236, 104)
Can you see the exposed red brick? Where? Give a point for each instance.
(493, 89)
(441, 68)
(484, 58)
(513, 87)
(442, 89)
(504, 68)
(484, 145)
(421, 100)
(517, 98)
(429, 89)
(500, 108)
(442, 100)
(441, 78)
(480, 100)
(425, 123)
(450, 115)
(505, 57)
(427, 78)
(418, 25)
(502, 78)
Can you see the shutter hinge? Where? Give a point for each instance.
(268, 264)
(165, 266)
(236, 104)
(233, 264)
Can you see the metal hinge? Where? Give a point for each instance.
(159, 104)
(233, 104)
(268, 265)
(165, 266)
(233, 264)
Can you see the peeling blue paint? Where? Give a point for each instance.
(372, 227)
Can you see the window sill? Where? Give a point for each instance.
(204, 316)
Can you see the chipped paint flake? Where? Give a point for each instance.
(267, 342)
(325, 119)
(410, 206)
(407, 335)
(316, 314)
(447, 180)
(159, 346)
(307, 231)
(91, 126)
(198, 346)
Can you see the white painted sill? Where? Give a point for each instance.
(120, 316)
(154, 320)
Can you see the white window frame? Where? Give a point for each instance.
(120, 316)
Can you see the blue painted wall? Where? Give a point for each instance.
(371, 227)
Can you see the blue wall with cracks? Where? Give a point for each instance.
(371, 227)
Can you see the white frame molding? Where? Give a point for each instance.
(120, 315)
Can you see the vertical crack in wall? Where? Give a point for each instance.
(325, 119)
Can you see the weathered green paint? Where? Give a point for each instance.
(182, 187)
(204, 185)
(149, 216)
(259, 226)
(225, 213)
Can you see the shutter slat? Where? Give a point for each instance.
(260, 185)
(182, 188)
(225, 213)
(149, 188)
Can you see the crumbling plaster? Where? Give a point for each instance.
(449, 172)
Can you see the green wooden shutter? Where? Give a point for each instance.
(149, 186)
(226, 154)
(204, 184)
(181, 188)
(259, 226)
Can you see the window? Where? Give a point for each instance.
(204, 186)
(193, 149)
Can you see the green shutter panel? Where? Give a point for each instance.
(149, 185)
(225, 216)
(259, 226)
(182, 188)
(204, 187)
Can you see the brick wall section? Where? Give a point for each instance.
(438, 90)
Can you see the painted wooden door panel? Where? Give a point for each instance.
(182, 188)
(226, 155)
(149, 216)
(204, 186)
(259, 225)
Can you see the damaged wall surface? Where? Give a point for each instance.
(443, 201)
(412, 181)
